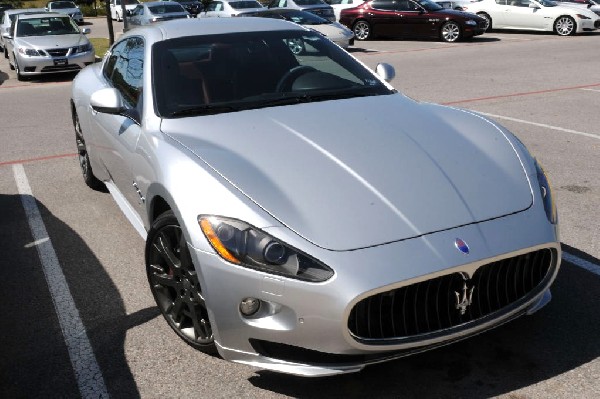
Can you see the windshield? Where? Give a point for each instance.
(240, 5)
(166, 9)
(46, 26)
(62, 4)
(429, 5)
(309, 2)
(545, 3)
(211, 74)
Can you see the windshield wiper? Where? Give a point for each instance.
(308, 98)
(204, 110)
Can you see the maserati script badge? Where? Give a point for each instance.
(464, 298)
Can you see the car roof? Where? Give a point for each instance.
(41, 15)
(158, 3)
(23, 10)
(212, 26)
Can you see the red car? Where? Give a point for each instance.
(410, 18)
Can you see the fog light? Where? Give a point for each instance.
(249, 306)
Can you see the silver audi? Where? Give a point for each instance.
(301, 215)
(40, 44)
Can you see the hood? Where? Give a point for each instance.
(333, 31)
(383, 169)
(457, 13)
(53, 41)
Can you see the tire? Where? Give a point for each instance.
(488, 26)
(20, 77)
(450, 32)
(565, 26)
(84, 160)
(174, 284)
(362, 30)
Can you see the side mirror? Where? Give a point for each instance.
(107, 101)
(533, 5)
(85, 31)
(7, 36)
(385, 71)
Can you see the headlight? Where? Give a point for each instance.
(29, 51)
(471, 22)
(84, 48)
(546, 191)
(239, 243)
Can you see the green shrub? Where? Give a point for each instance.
(90, 11)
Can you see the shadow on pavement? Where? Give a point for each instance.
(34, 361)
(529, 350)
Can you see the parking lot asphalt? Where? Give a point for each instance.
(544, 88)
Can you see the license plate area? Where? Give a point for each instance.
(60, 61)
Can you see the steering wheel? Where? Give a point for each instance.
(290, 76)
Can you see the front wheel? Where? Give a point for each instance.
(174, 284)
(565, 26)
(488, 21)
(84, 160)
(17, 69)
(450, 32)
(362, 30)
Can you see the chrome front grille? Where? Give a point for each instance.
(439, 304)
(58, 52)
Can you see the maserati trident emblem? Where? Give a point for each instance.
(464, 298)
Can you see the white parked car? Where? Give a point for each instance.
(66, 7)
(334, 31)
(592, 5)
(539, 15)
(116, 9)
(157, 11)
(220, 9)
(339, 5)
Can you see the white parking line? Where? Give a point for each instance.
(560, 129)
(584, 264)
(596, 90)
(87, 372)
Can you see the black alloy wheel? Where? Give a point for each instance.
(84, 161)
(174, 284)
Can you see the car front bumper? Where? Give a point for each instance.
(588, 25)
(303, 328)
(41, 65)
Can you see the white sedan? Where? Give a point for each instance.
(220, 9)
(334, 31)
(539, 15)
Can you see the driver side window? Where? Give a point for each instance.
(124, 69)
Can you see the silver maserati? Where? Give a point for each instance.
(300, 214)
